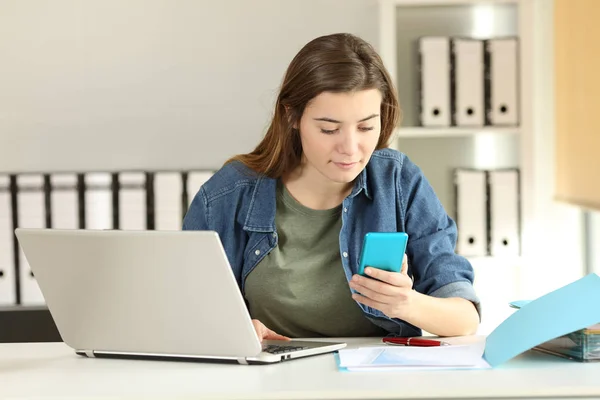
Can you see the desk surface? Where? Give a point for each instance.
(53, 370)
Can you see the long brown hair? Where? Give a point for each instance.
(334, 63)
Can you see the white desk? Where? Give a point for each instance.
(52, 370)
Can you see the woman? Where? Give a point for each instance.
(292, 214)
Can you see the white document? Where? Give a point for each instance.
(132, 201)
(504, 210)
(8, 282)
(64, 202)
(503, 73)
(468, 81)
(98, 201)
(31, 213)
(195, 180)
(471, 212)
(168, 190)
(435, 81)
(396, 358)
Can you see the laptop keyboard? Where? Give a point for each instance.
(277, 349)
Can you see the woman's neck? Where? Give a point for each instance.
(313, 190)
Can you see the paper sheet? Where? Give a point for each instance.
(386, 358)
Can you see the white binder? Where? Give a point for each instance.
(504, 213)
(471, 212)
(503, 77)
(468, 82)
(168, 191)
(64, 202)
(31, 213)
(98, 201)
(195, 180)
(434, 56)
(8, 282)
(132, 201)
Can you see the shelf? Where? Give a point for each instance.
(495, 260)
(17, 308)
(425, 132)
(27, 324)
(450, 2)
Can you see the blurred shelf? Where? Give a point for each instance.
(27, 324)
(17, 308)
(450, 2)
(451, 131)
(495, 260)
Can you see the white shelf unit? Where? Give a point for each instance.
(455, 131)
(448, 2)
(551, 232)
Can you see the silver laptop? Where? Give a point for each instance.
(149, 294)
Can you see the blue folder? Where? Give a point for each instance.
(565, 310)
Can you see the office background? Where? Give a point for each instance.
(176, 86)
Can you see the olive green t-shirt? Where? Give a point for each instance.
(300, 288)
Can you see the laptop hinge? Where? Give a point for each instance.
(90, 353)
(242, 360)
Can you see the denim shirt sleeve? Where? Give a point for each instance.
(197, 217)
(437, 270)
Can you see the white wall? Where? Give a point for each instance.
(595, 242)
(553, 231)
(150, 84)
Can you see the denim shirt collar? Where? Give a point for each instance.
(361, 184)
(261, 212)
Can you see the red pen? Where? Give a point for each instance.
(409, 341)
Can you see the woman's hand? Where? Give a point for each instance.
(265, 333)
(388, 292)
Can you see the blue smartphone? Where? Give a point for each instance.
(383, 250)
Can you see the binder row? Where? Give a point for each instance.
(488, 212)
(93, 200)
(468, 82)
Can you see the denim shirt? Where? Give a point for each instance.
(390, 195)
